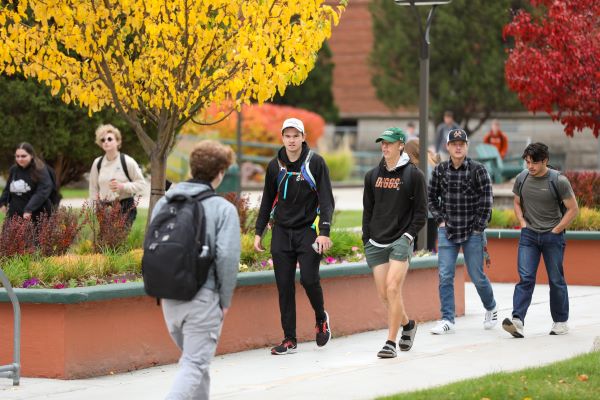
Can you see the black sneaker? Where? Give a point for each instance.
(323, 331)
(388, 351)
(408, 337)
(287, 346)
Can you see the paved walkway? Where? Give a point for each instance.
(348, 368)
(346, 198)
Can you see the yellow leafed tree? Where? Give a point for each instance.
(161, 62)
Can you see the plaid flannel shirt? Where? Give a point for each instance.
(463, 205)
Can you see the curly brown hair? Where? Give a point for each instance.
(208, 158)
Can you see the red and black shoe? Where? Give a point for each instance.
(287, 346)
(323, 331)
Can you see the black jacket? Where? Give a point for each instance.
(299, 207)
(389, 211)
(21, 194)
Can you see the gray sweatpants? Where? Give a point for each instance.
(195, 327)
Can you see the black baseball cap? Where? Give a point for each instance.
(456, 135)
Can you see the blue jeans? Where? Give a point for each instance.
(473, 251)
(552, 247)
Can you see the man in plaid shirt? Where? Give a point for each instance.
(460, 199)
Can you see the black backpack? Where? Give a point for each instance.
(55, 195)
(177, 256)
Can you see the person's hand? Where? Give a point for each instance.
(523, 224)
(3, 209)
(556, 231)
(443, 224)
(115, 186)
(258, 243)
(225, 311)
(324, 243)
(27, 215)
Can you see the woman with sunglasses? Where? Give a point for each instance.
(28, 187)
(115, 176)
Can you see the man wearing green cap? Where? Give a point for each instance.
(394, 202)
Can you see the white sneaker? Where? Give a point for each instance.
(559, 328)
(443, 327)
(514, 327)
(491, 318)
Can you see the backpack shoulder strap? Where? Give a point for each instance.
(473, 168)
(520, 180)
(306, 173)
(553, 181)
(124, 166)
(99, 164)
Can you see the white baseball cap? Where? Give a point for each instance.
(293, 123)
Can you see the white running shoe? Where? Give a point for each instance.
(514, 327)
(491, 318)
(443, 327)
(559, 328)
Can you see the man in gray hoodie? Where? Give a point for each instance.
(195, 325)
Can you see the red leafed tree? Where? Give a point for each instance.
(554, 66)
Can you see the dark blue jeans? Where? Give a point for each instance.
(532, 245)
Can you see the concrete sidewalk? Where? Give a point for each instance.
(346, 198)
(347, 368)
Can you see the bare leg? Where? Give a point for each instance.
(396, 312)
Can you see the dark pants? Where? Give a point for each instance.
(128, 207)
(532, 246)
(288, 247)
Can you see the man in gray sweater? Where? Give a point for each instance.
(195, 325)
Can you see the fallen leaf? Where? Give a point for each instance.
(582, 377)
(561, 381)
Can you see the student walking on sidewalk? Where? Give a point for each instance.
(195, 324)
(460, 199)
(545, 206)
(298, 204)
(394, 202)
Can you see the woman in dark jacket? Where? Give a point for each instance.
(28, 186)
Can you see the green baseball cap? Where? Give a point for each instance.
(392, 135)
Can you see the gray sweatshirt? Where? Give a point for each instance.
(223, 234)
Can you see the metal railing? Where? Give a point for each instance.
(13, 371)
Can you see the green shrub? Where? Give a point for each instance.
(339, 163)
(588, 219)
(503, 219)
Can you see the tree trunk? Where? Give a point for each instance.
(158, 166)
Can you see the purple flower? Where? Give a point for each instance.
(31, 282)
(263, 264)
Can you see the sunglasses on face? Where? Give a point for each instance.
(108, 139)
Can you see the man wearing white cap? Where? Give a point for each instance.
(298, 204)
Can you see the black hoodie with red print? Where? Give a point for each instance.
(391, 208)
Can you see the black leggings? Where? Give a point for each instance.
(288, 247)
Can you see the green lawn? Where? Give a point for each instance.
(347, 219)
(576, 378)
(69, 193)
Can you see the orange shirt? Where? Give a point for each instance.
(500, 140)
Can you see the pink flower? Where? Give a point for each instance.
(59, 286)
(354, 248)
(270, 262)
(330, 260)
